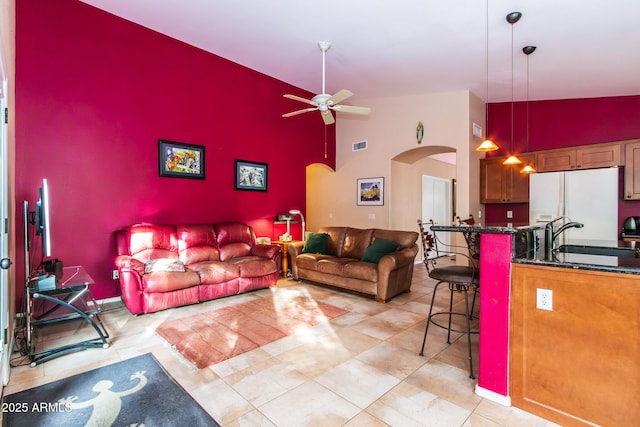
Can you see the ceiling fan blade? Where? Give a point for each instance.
(340, 96)
(295, 113)
(299, 98)
(351, 109)
(327, 117)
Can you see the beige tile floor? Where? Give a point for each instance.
(360, 369)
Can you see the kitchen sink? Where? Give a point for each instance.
(599, 250)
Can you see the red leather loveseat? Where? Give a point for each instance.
(163, 266)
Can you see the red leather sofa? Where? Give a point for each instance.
(163, 266)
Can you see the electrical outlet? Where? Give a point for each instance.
(372, 216)
(116, 274)
(544, 300)
(509, 214)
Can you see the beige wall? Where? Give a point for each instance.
(393, 153)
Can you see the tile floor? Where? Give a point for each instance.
(360, 369)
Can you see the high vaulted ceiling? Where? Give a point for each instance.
(380, 48)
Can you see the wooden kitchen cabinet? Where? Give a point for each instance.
(502, 183)
(588, 157)
(632, 170)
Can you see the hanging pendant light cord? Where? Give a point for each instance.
(512, 150)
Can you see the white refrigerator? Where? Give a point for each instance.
(586, 196)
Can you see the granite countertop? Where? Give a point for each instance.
(629, 263)
(488, 230)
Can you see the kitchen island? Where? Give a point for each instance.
(578, 363)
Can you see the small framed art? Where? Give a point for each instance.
(370, 191)
(179, 160)
(251, 176)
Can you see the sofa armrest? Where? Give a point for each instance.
(395, 260)
(394, 273)
(131, 271)
(294, 250)
(127, 262)
(265, 251)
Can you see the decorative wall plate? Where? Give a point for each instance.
(420, 132)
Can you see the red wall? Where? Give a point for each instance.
(561, 123)
(94, 93)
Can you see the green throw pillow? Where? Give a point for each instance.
(315, 243)
(378, 249)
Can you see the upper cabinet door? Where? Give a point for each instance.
(556, 160)
(599, 156)
(503, 184)
(632, 170)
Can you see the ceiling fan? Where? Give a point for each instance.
(325, 102)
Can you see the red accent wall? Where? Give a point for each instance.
(94, 93)
(557, 124)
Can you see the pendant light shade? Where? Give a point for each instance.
(528, 50)
(487, 144)
(512, 18)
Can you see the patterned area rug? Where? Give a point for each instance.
(134, 392)
(209, 338)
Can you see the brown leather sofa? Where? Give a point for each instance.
(163, 266)
(341, 266)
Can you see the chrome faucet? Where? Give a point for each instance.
(550, 235)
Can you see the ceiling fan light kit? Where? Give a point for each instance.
(324, 102)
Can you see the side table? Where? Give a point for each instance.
(70, 299)
(284, 246)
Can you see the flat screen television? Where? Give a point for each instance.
(42, 219)
(39, 218)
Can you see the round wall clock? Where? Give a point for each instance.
(420, 132)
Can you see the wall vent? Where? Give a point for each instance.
(358, 146)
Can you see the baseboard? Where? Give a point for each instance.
(493, 396)
(109, 300)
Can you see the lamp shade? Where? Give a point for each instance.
(512, 160)
(487, 145)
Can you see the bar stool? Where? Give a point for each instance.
(459, 279)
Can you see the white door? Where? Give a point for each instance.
(436, 206)
(4, 241)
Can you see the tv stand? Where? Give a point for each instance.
(70, 299)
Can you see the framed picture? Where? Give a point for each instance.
(370, 191)
(251, 176)
(179, 160)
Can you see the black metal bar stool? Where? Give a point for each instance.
(459, 278)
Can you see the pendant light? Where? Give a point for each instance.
(512, 18)
(528, 50)
(487, 144)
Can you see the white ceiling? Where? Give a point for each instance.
(380, 48)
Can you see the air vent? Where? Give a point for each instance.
(360, 145)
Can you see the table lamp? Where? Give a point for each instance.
(298, 212)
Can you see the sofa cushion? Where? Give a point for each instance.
(315, 243)
(332, 265)
(196, 243)
(356, 241)
(148, 241)
(213, 272)
(361, 270)
(163, 281)
(405, 239)
(335, 240)
(163, 264)
(253, 266)
(378, 249)
(310, 261)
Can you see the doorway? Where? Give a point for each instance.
(436, 206)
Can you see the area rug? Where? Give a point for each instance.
(134, 392)
(209, 338)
